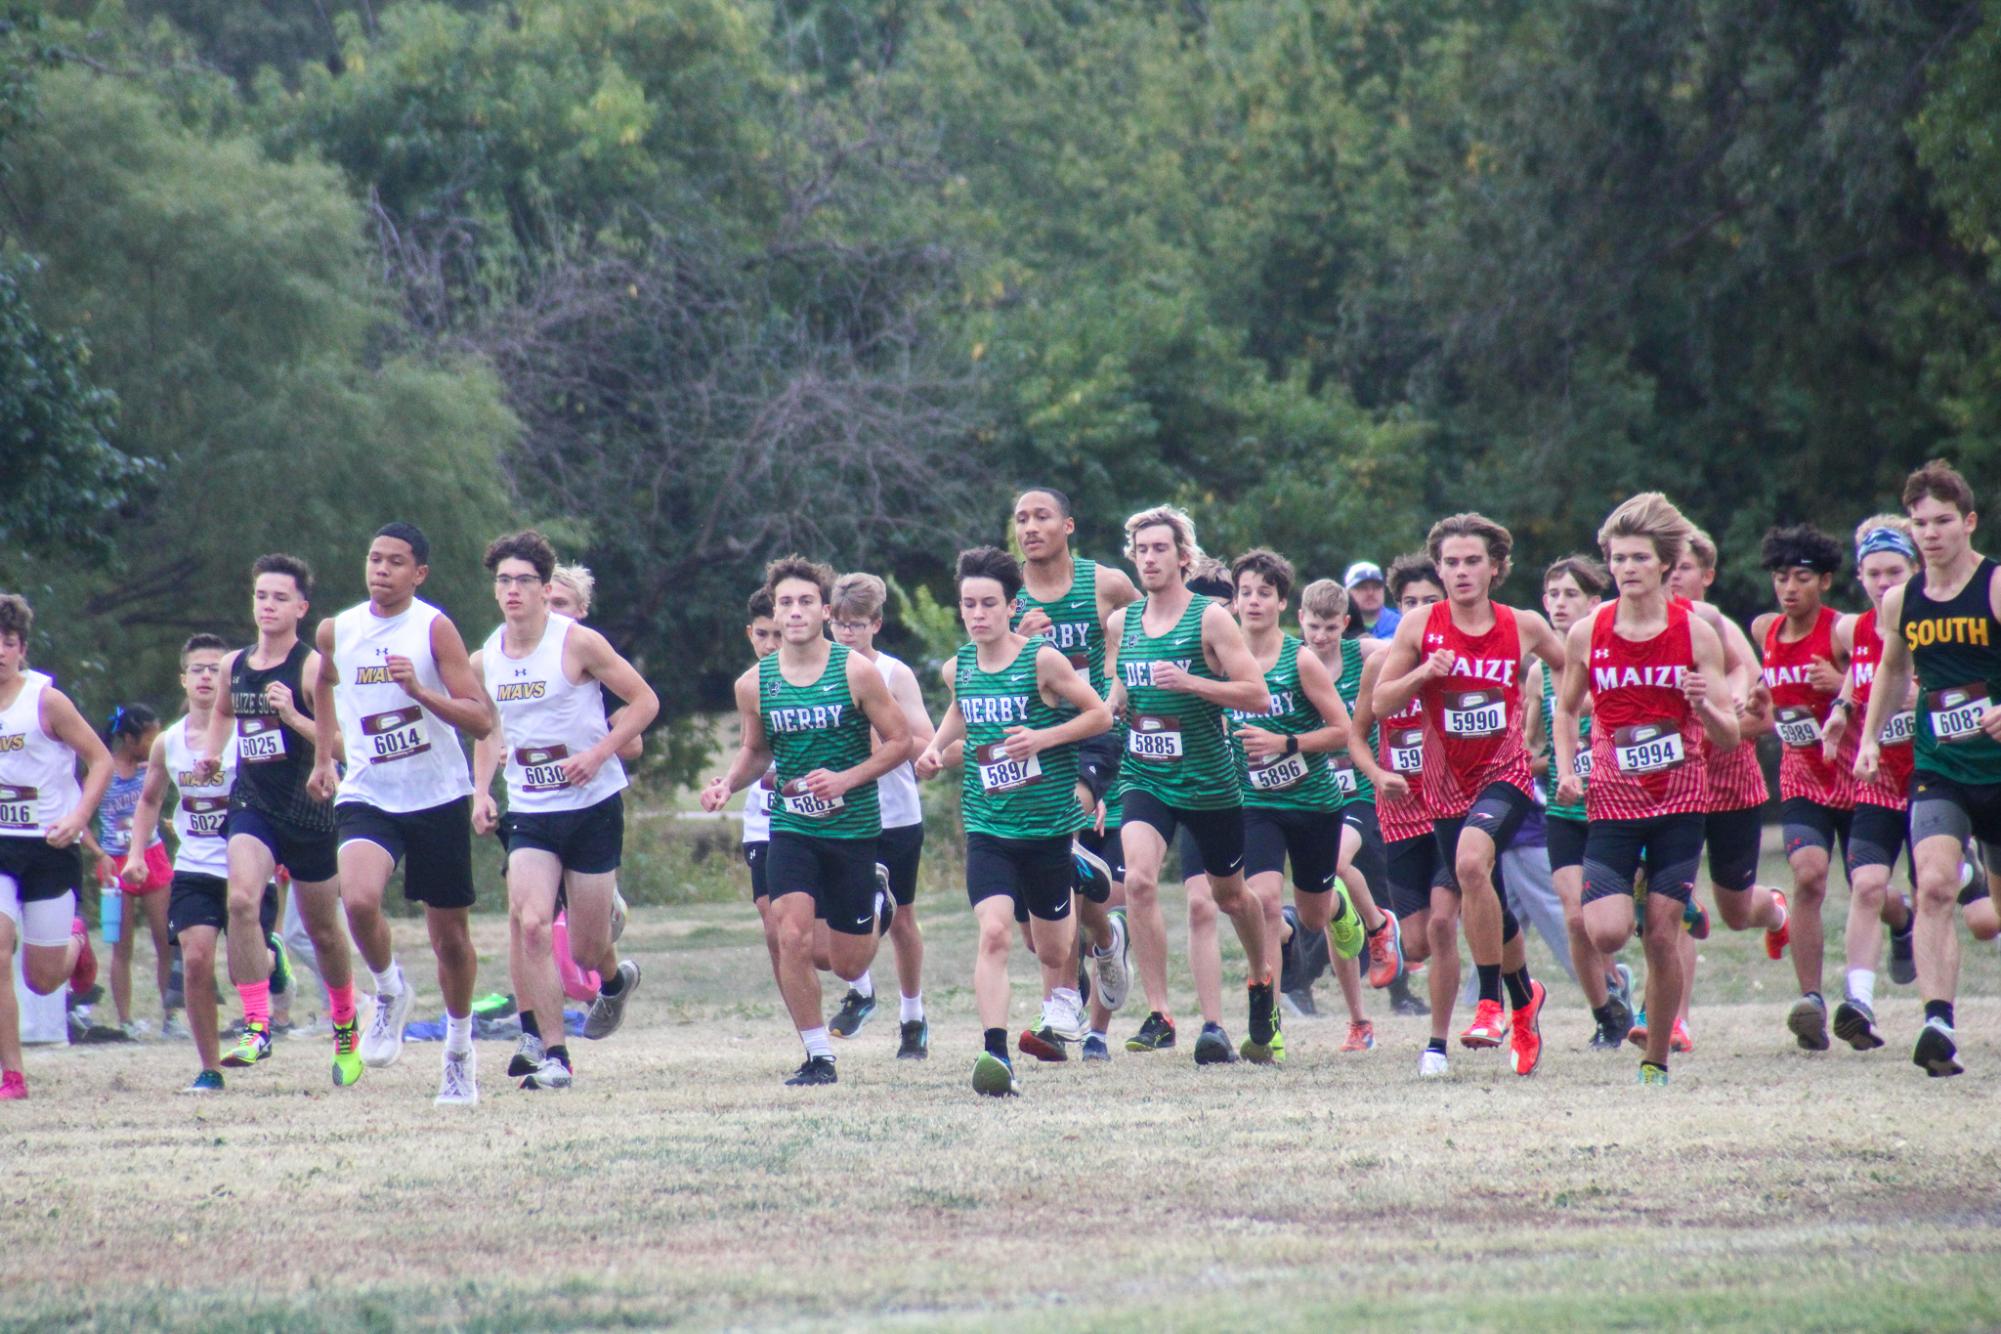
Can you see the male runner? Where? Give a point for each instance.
(1018, 711)
(43, 813)
(565, 823)
(762, 632)
(810, 706)
(857, 620)
(1804, 668)
(1464, 658)
(1646, 663)
(1179, 661)
(1885, 558)
(265, 717)
(397, 690)
(1945, 625)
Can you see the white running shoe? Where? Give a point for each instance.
(1112, 970)
(383, 1042)
(551, 1074)
(1063, 1015)
(458, 1085)
(1431, 1065)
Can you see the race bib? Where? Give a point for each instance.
(1154, 738)
(798, 801)
(1647, 748)
(1900, 728)
(1276, 772)
(542, 767)
(396, 735)
(1797, 726)
(999, 773)
(17, 806)
(260, 738)
(1475, 713)
(1582, 764)
(1406, 750)
(202, 816)
(1344, 775)
(1956, 710)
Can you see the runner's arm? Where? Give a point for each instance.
(1243, 687)
(146, 814)
(465, 704)
(61, 720)
(1719, 716)
(1318, 687)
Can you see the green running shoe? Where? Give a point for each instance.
(1156, 1034)
(1346, 930)
(1652, 1076)
(993, 1077)
(208, 1081)
(252, 1047)
(347, 1061)
(281, 964)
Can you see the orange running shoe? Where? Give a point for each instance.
(1525, 1044)
(1781, 935)
(1681, 1041)
(1386, 953)
(1361, 1036)
(1489, 1027)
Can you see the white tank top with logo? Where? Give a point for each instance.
(547, 718)
(897, 789)
(38, 784)
(199, 808)
(401, 757)
(757, 808)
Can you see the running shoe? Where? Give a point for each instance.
(1213, 1047)
(1432, 1065)
(84, 974)
(1062, 1016)
(1269, 1052)
(1156, 1034)
(347, 1065)
(1525, 1042)
(885, 901)
(383, 1042)
(1679, 1039)
(527, 1058)
(1781, 935)
(281, 964)
(1855, 1024)
(1637, 1034)
(458, 1079)
(1095, 1049)
(1808, 1022)
(1043, 1045)
(916, 1041)
(1263, 1012)
(137, 1030)
(815, 1070)
(993, 1076)
(172, 1028)
(608, 1012)
(1604, 1038)
(1386, 952)
(208, 1081)
(1345, 931)
(252, 1047)
(550, 1074)
(1903, 965)
(1618, 1019)
(1936, 1053)
(1094, 874)
(1404, 1001)
(1619, 987)
(1695, 919)
(854, 1012)
(1652, 1076)
(1288, 953)
(1114, 968)
(1361, 1036)
(13, 1086)
(1489, 1027)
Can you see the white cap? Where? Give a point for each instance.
(1362, 572)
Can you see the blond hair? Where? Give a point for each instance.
(1653, 516)
(1703, 547)
(859, 597)
(1325, 598)
(1172, 517)
(579, 580)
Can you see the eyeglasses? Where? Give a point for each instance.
(515, 580)
(853, 627)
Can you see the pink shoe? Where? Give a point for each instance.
(13, 1086)
(84, 975)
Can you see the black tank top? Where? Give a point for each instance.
(273, 761)
(1955, 646)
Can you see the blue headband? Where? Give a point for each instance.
(1885, 539)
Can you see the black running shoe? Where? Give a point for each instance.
(1603, 1038)
(1903, 967)
(1213, 1047)
(1855, 1024)
(1264, 1017)
(916, 1045)
(1084, 979)
(816, 1070)
(1619, 1018)
(1807, 1021)
(854, 1012)
(1936, 1052)
(1403, 1002)
(1288, 954)
(1156, 1034)
(1043, 1044)
(1314, 958)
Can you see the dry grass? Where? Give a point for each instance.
(680, 1184)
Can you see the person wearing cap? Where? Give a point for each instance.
(1368, 618)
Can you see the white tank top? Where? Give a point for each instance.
(401, 757)
(200, 807)
(897, 789)
(37, 772)
(757, 808)
(546, 718)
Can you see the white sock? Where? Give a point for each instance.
(817, 1042)
(864, 986)
(458, 1034)
(1862, 986)
(389, 981)
(909, 1008)
(1067, 996)
(1098, 1033)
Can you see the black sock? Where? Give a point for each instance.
(1437, 1045)
(1939, 1010)
(611, 983)
(1518, 988)
(528, 1024)
(1602, 1013)
(1658, 1065)
(997, 1042)
(1490, 981)
(559, 1052)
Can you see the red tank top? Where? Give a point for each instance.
(1798, 709)
(1891, 787)
(1735, 780)
(1473, 715)
(1400, 750)
(1648, 751)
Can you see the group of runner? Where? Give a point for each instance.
(1096, 720)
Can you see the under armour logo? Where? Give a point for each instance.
(1601, 653)
(1434, 639)
(520, 672)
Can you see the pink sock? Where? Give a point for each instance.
(340, 1003)
(256, 1002)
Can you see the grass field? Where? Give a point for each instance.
(678, 1183)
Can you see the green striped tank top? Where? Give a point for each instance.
(1177, 750)
(1298, 782)
(1036, 798)
(1074, 627)
(817, 726)
(1348, 685)
(1558, 810)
